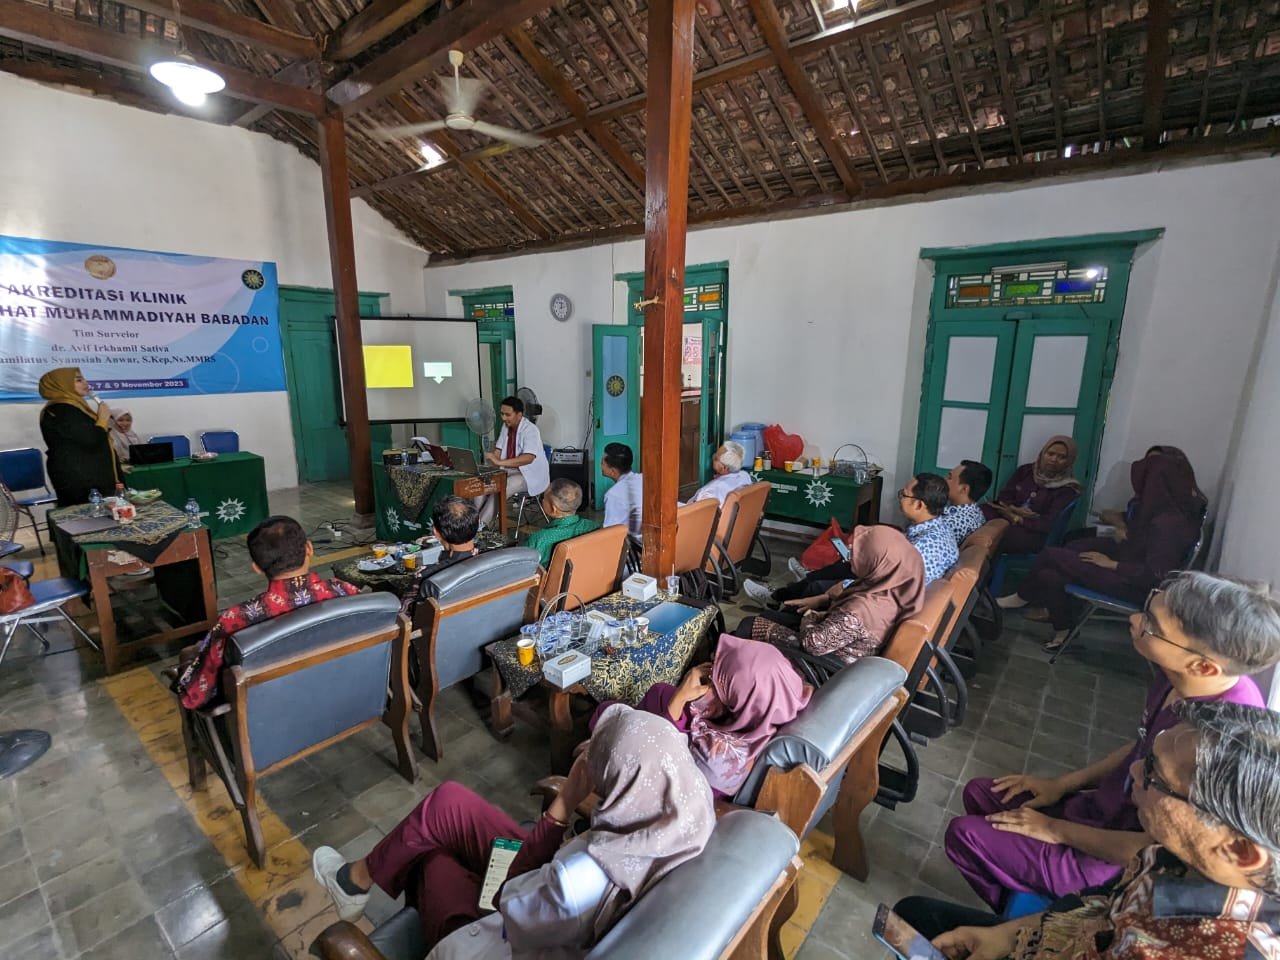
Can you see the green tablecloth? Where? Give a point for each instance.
(232, 490)
(628, 674)
(804, 498)
(404, 502)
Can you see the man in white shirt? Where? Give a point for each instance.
(622, 500)
(729, 475)
(519, 452)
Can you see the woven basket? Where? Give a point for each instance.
(858, 469)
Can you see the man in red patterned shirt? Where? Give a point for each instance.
(280, 551)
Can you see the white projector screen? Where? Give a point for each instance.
(419, 369)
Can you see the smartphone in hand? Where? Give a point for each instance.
(905, 941)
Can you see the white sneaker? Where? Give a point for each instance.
(798, 569)
(325, 864)
(1011, 601)
(758, 592)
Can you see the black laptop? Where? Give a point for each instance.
(141, 454)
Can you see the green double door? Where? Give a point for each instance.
(617, 353)
(315, 388)
(1022, 346)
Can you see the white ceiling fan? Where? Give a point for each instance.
(461, 94)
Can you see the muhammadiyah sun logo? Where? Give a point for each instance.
(253, 279)
(615, 385)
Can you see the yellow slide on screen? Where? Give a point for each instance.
(388, 366)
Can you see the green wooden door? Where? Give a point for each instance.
(494, 310)
(315, 390)
(966, 387)
(1055, 387)
(615, 362)
(1022, 345)
(706, 302)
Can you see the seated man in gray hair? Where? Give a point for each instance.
(729, 475)
(1208, 794)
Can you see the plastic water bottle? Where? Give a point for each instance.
(95, 501)
(193, 513)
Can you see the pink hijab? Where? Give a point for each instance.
(759, 692)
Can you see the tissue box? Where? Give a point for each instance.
(567, 669)
(639, 587)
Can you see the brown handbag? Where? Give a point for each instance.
(14, 593)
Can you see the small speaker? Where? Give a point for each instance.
(572, 464)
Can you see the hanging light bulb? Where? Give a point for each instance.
(190, 82)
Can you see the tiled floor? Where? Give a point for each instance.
(105, 851)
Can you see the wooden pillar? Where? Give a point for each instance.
(342, 260)
(666, 213)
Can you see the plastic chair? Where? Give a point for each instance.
(218, 441)
(181, 445)
(1056, 534)
(50, 598)
(1097, 602)
(22, 471)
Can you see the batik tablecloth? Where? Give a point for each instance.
(628, 674)
(395, 579)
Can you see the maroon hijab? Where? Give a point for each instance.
(758, 691)
(1164, 480)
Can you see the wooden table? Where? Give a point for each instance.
(231, 490)
(396, 522)
(97, 561)
(804, 498)
(625, 676)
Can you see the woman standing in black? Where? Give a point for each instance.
(77, 437)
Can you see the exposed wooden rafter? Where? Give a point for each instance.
(770, 21)
(724, 73)
(29, 23)
(1001, 45)
(1257, 142)
(569, 97)
(221, 21)
(1155, 72)
(375, 22)
(467, 25)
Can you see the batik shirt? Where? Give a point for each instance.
(964, 519)
(198, 684)
(1161, 909)
(937, 546)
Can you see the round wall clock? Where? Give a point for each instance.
(561, 307)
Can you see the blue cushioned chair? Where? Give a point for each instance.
(51, 596)
(1054, 538)
(1096, 602)
(473, 603)
(1019, 903)
(300, 681)
(181, 445)
(729, 901)
(220, 441)
(22, 472)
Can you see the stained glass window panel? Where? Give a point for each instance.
(1013, 285)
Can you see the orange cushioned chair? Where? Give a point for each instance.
(737, 534)
(589, 567)
(695, 533)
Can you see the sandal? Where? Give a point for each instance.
(1057, 643)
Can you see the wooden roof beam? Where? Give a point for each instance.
(466, 26)
(1251, 142)
(775, 35)
(733, 70)
(224, 22)
(30, 23)
(1155, 73)
(563, 89)
(999, 43)
(374, 23)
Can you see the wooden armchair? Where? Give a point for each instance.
(476, 602)
(589, 567)
(695, 533)
(824, 759)
(727, 903)
(296, 684)
(737, 534)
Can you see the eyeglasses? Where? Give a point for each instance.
(903, 495)
(1151, 780)
(1147, 620)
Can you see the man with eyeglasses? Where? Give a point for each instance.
(1055, 835)
(1207, 795)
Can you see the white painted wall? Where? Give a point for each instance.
(79, 169)
(827, 314)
